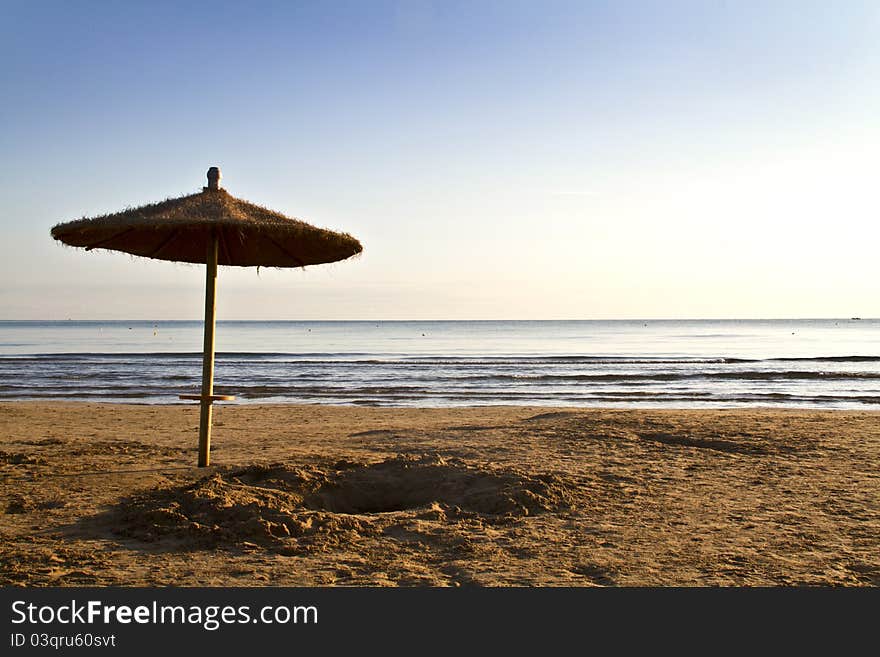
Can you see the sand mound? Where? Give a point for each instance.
(9, 458)
(291, 509)
(18, 503)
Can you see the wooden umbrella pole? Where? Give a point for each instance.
(208, 356)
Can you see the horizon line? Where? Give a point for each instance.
(559, 319)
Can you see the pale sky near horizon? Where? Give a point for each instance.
(498, 160)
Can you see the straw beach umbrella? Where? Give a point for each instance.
(214, 228)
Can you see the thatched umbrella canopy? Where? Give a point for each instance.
(180, 229)
(210, 227)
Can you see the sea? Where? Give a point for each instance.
(808, 363)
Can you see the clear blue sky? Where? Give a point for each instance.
(497, 159)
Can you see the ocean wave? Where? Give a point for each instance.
(792, 375)
(358, 358)
(337, 378)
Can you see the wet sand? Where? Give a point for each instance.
(106, 494)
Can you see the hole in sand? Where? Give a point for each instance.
(412, 483)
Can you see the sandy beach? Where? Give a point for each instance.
(106, 494)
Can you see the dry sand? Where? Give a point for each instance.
(104, 494)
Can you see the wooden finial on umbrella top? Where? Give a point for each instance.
(214, 178)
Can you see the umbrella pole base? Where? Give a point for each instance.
(205, 434)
